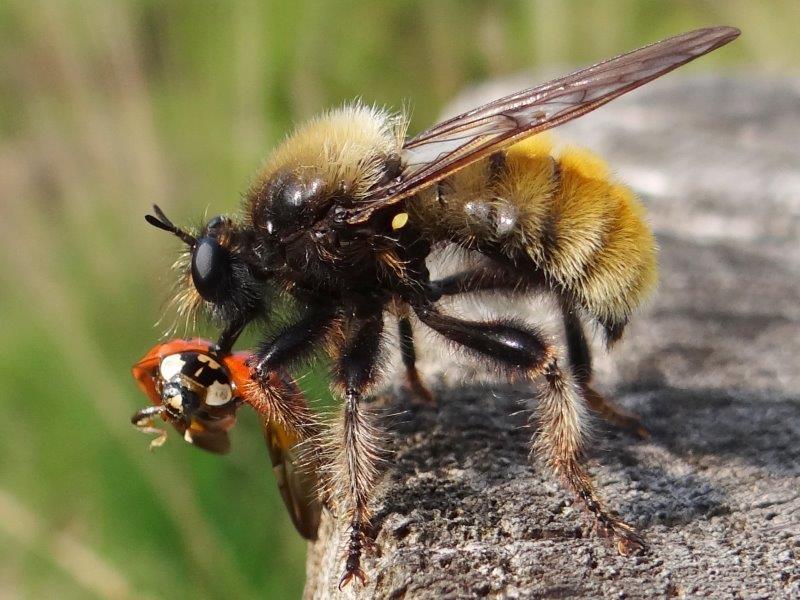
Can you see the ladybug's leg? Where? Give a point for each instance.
(358, 449)
(409, 355)
(143, 420)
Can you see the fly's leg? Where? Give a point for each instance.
(271, 393)
(414, 382)
(275, 396)
(521, 350)
(359, 443)
(562, 422)
(580, 359)
(493, 277)
(487, 277)
(292, 433)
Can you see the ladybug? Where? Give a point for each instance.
(198, 391)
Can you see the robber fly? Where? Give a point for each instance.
(345, 212)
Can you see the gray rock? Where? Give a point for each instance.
(710, 364)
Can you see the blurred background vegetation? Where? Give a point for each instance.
(109, 106)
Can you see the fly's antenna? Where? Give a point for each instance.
(161, 221)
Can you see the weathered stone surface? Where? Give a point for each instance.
(711, 365)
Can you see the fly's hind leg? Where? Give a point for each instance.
(580, 359)
(562, 414)
(414, 382)
(496, 278)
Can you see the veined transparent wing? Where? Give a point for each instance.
(444, 148)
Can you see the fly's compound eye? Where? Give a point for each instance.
(211, 269)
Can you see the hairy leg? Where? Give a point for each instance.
(358, 451)
(522, 350)
(274, 395)
(494, 277)
(290, 428)
(277, 399)
(489, 276)
(292, 434)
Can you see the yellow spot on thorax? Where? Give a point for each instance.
(399, 221)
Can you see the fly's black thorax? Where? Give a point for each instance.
(341, 263)
(315, 249)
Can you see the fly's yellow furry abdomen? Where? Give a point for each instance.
(559, 211)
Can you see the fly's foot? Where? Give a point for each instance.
(626, 539)
(353, 565)
(630, 423)
(351, 571)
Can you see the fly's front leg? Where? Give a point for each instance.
(270, 393)
(275, 396)
(292, 432)
(229, 336)
(359, 445)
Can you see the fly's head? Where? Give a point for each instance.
(222, 273)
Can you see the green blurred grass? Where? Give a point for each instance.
(107, 107)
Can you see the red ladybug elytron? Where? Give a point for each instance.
(199, 392)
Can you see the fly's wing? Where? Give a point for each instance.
(457, 142)
(296, 480)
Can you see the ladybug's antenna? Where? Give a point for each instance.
(162, 222)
